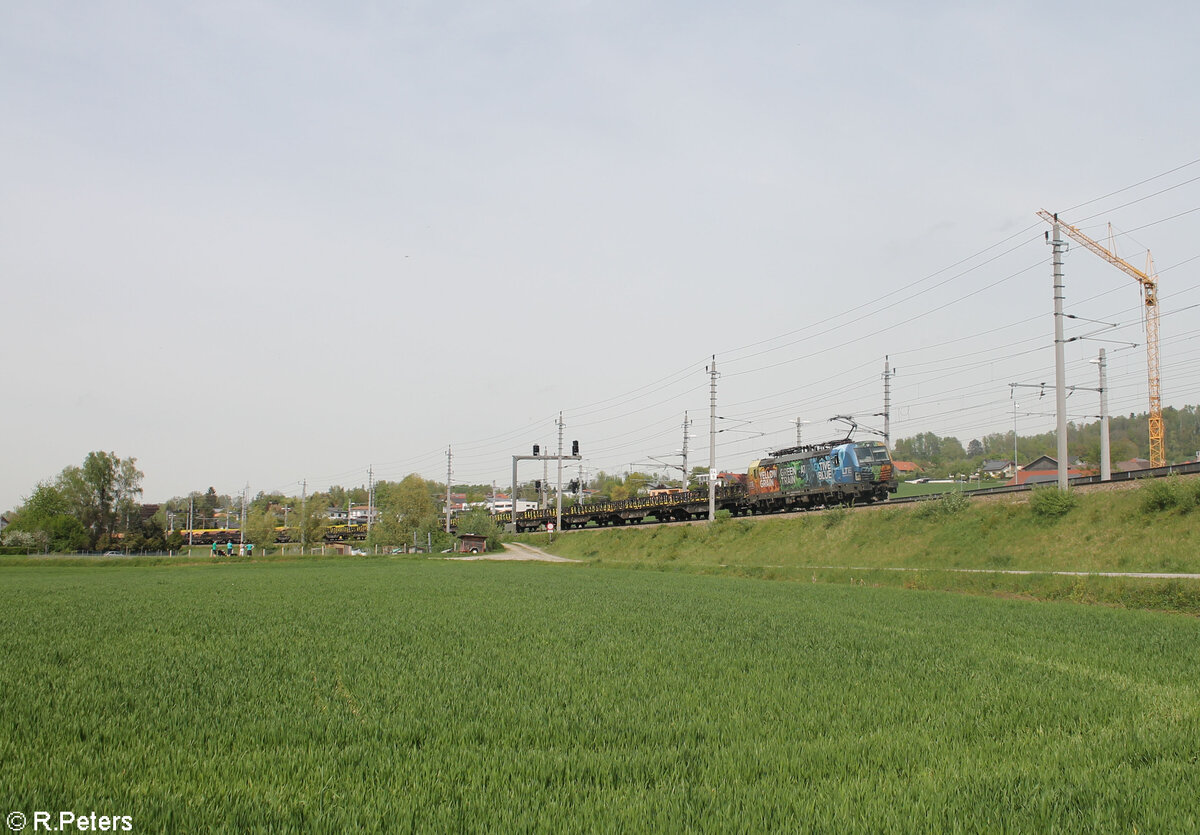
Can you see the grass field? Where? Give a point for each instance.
(435, 696)
(1153, 528)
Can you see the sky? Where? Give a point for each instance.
(264, 245)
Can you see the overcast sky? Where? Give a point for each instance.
(256, 242)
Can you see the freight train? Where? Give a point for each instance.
(831, 474)
(842, 472)
(333, 533)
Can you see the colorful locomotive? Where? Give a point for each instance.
(841, 472)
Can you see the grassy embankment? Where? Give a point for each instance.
(413, 695)
(1152, 528)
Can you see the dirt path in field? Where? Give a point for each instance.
(518, 551)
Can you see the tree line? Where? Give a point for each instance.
(91, 506)
(97, 506)
(1129, 438)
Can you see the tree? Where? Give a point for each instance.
(478, 521)
(414, 501)
(65, 534)
(206, 505)
(46, 514)
(403, 509)
(307, 522)
(101, 497)
(260, 529)
(975, 449)
(103, 493)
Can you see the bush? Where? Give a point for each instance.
(1191, 494)
(834, 516)
(1168, 493)
(950, 504)
(26, 542)
(1050, 502)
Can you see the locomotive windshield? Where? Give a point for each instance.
(872, 453)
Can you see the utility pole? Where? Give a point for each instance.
(545, 480)
(558, 492)
(1060, 373)
(1016, 466)
(712, 442)
(449, 459)
(686, 426)
(888, 373)
(191, 520)
(1105, 451)
(370, 497)
(303, 514)
(242, 531)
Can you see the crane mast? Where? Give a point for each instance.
(1149, 284)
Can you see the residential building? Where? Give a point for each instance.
(997, 469)
(1132, 465)
(1043, 470)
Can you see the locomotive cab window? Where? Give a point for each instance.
(872, 453)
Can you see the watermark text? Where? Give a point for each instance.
(68, 822)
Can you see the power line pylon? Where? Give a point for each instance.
(1148, 280)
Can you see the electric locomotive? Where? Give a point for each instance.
(837, 472)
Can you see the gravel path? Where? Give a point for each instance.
(518, 551)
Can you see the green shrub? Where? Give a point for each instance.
(1191, 494)
(1050, 503)
(1160, 495)
(949, 504)
(834, 516)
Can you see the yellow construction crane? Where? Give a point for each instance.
(1149, 282)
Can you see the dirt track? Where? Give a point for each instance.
(518, 551)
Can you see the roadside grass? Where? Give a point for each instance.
(385, 695)
(1154, 528)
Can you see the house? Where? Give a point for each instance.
(904, 469)
(458, 503)
(723, 479)
(663, 490)
(998, 469)
(1043, 470)
(501, 503)
(360, 513)
(1132, 465)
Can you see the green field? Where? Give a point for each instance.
(435, 696)
(953, 543)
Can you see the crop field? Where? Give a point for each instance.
(398, 695)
